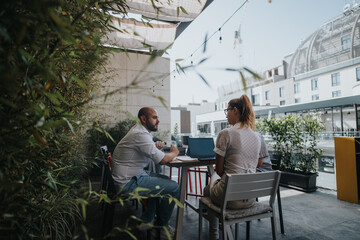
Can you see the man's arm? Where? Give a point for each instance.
(170, 155)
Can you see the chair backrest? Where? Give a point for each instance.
(251, 185)
(107, 182)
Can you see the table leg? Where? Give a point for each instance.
(180, 211)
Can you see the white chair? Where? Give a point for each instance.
(240, 187)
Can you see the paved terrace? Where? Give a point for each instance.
(318, 215)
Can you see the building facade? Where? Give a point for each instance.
(322, 76)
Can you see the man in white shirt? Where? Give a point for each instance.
(134, 152)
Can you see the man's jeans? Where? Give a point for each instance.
(157, 184)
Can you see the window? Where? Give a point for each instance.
(357, 74)
(282, 92)
(296, 87)
(220, 126)
(336, 94)
(297, 100)
(315, 97)
(267, 95)
(255, 99)
(276, 71)
(268, 104)
(314, 84)
(282, 102)
(204, 127)
(345, 42)
(335, 79)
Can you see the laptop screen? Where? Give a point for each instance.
(201, 148)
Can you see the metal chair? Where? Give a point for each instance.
(276, 162)
(108, 186)
(241, 187)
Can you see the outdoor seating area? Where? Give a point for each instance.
(180, 120)
(316, 215)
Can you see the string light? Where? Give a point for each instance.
(207, 39)
(220, 38)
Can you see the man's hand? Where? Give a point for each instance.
(170, 155)
(159, 144)
(174, 150)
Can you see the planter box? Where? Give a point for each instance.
(302, 182)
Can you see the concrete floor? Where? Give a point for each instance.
(317, 215)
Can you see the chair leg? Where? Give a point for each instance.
(189, 185)
(229, 232)
(108, 218)
(170, 174)
(200, 220)
(200, 181)
(236, 231)
(195, 171)
(273, 228)
(280, 212)
(247, 230)
(223, 230)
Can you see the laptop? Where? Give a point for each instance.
(201, 148)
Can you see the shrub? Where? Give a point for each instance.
(50, 53)
(100, 135)
(294, 139)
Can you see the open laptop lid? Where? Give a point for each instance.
(201, 148)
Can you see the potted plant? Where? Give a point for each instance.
(294, 142)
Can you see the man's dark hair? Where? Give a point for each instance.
(144, 112)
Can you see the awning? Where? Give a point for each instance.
(167, 10)
(168, 20)
(139, 36)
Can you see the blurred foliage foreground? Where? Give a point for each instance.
(51, 54)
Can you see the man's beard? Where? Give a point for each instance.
(151, 127)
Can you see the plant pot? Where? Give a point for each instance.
(302, 182)
(276, 161)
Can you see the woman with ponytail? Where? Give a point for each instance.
(237, 151)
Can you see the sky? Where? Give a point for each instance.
(268, 33)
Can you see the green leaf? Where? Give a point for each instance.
(255, 75)
(203, 78)
(52, 98)
(8, 103)
(183, 10)
(78, 81)
(57, 19)
(51, 182)
(69, 124)
(243, 80)
(5, 34)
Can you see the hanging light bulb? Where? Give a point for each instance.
(220, 38)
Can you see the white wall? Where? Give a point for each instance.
(151, 81)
